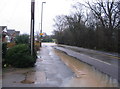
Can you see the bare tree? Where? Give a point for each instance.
(107, 12)
(97, 27)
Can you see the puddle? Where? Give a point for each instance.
(34, 78)
(29, 78)
(43, 73)
(27, 82)
(85, 75)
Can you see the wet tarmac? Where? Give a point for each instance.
(103, 66)
(56, 69)
(85, 75)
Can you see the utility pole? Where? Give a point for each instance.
(41, 24)
(32, 27)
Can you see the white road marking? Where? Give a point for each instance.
(88, 57)
(98, 60)
(102, 61)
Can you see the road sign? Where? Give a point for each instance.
(41, 34)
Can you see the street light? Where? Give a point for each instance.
(41, 23)
(32, 26)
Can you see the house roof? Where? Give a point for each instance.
(10, 31)
(3, 27)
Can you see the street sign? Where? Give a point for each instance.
(41, 34)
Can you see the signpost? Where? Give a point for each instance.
(41, 34)
(41, 24)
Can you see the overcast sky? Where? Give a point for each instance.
(15, 14)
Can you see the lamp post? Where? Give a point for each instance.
(41, 23)
(32, 27)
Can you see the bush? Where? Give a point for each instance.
(4, 49)
(22, 39)
(19, 56)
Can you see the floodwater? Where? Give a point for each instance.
(85, 75)
(51, 71)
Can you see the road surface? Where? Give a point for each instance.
(105, 62)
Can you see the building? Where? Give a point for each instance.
(8, 35)
(4, 33)
(12, 34)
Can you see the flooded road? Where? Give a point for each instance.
(103, 66)
(85, 75)
(56, 69)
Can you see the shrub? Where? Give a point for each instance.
(11, 44)
(19, 56)
(22, 39)
(4, 49)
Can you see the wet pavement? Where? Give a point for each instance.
(56, 69)
(49, 71)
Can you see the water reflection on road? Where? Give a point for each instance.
(51, 71)
(85, 75)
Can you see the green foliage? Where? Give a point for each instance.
(4, 49)
(22, 39)
(19, 56)
(47, 39)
